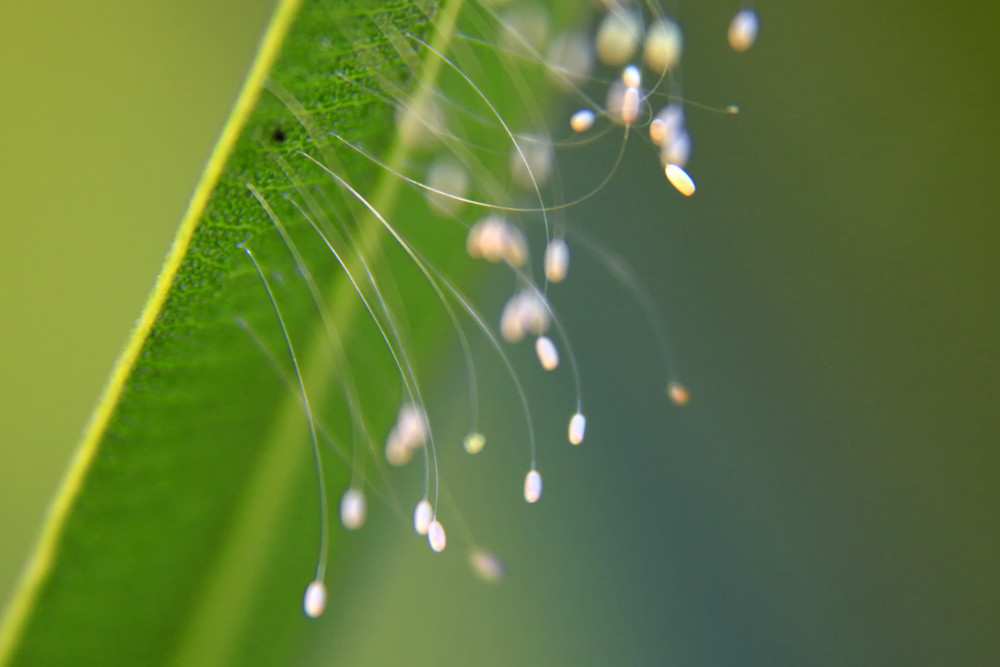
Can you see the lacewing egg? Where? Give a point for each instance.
(622, 103)
(680, 179)
(614, 101)
(449, 177)
(548, 355)
(396, 453)
(533, 486)
(515, 247)
(525, 29)
(486, 238)
(406, 436)
(657, 131)
(314, 601)
(570, 59)
(618, 36)
(474, 443)
(577, 427)
(667, 125)
(511, 328)
(677, 151)
(420, 121)
(679, 393)
(436, 536)
(632, 77)
(556, 259)
(664, 45)
(631, 101)
(525, 312)
(353, 509)
(743, 30)
(533, 164)
(534, 312)
(487, 566)
(494, 239)
(422, 517)
(582, 120)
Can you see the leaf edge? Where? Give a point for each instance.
(40, 562)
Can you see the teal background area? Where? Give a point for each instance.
(829, 497)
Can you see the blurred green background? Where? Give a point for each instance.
(829, 496)
(110, 109)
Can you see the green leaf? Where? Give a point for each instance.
(168, 542)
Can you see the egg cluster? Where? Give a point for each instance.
(630, 59)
